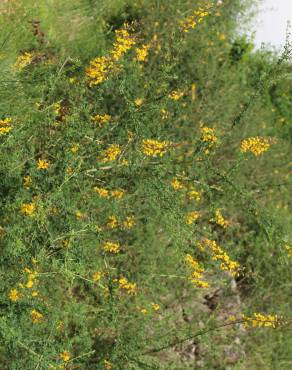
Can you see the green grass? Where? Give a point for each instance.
(50, 256)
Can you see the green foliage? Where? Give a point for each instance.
(64, 303)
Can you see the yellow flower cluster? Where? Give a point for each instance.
(128, 223)
(104, 193)
(194, 195)
(100, 68)
(194, 19)
(123, 44)
(43, 164)
(130, 288)
(96, 276)
(176, 95)
(22, 61)
(65, 356)
(111, 247)
(289, 250)
(14, 295)
(112, 222)
(101, 120)
(177, 184)
(5, 126)
(154, 148)
(220, 220)
(36, 317)
(219, 255)
(192, 217)
(28, 209)
(208, 137)
(27, 181)
(111, 153)
(256, 145)
(261, 320)
(196, 277)
(142, 53)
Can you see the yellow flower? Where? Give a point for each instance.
(208, 135)
(197, 274)
(261, 320)
(65, 356)
(22, 61)
(102, 192)
(192, 217)
(220, 255)
(219, 219)
(123, 43)
(5, 126)
(176, 95)
(112, 222)
(155, 306)
(28, 209)
(177, 184)
(43, 164)
(99, 70)
(14, 295)
(142, 53)
(194, 19)
(111, 153)
(74, 149)
(97, 276)
(154, 148)
(27, 181)
(124, 284)
(195, 195)
(129, 222)
(143, 311)
(111, 247)
(138, 102)
(118, 193)
(289, 250)
(256, 145)
(36, 317)
(101, 120)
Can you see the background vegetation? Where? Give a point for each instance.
(96, 221)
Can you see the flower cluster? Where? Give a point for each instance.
(197, 273)
(36, 317)
(22, 61)
(111, 153)
(256, 145)
(101, 120)
(260, 320)
(142, 53)
(219, 255)
(28, 209)
(130, 288)
(100, 68)
(176, 95)
(194, 19)
(5, 126)
(208, 137)
(220, 220)
(43, 164)
(111, 247)
(192, 217)
(154, 148)
(105, 193)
